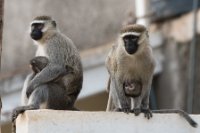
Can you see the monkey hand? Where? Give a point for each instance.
(136, 111)
(21, 109)
(16, 112)
(125, 110)
(147, 113)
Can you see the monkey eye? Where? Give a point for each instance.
(125, 40)
(40, 26)
(37, 25)
(134, 39)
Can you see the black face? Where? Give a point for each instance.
(36, 31)
(131, 43)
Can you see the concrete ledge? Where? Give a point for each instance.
(51, 121)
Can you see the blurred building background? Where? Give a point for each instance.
(93, 25)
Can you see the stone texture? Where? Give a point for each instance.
(49, 121)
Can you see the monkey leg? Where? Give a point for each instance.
(38, 96)
(110, 104)
(61, 99)
(145, 104)
(145, 109)
(147, 113)
(124, 102)
(113, 100)
(137, 105)
(20, 110)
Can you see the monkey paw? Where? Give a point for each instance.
(16, 112)
(136, 111)
(147, 113)
(125, 110)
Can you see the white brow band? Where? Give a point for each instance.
(37, 21)
(130, 33)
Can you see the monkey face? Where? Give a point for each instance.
(131, 43)
(36, 31)
(132, 88)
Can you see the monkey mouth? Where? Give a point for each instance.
(36, 35)
(131, 49)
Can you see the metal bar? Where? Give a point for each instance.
(142, 9)
(1, 31)
(192, 60)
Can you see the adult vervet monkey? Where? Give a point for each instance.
(60, 52)
(131, 64)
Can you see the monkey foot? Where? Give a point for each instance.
(16, 112)
(136, 111)
(125, 110)
(147, 113)
(20, 110)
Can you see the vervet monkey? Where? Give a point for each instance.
(38, 64)
(54, 94)
(131, 64)
(60, 52)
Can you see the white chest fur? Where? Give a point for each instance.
(40, 51)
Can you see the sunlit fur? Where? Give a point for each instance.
(129, 67)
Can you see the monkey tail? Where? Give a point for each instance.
(13, 127)
(180, 112)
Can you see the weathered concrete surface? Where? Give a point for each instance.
(48, 121)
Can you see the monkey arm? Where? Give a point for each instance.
(48, 74)
(110, 104)
(108, 85)
(28, 79)
(125, 102)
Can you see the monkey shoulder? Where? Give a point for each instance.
(111, 62)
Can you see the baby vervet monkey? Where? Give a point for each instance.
(37, 64)
(131, 64)
(54, 92)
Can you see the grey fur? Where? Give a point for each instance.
(138, 68)
(52, 87)
(124, 67)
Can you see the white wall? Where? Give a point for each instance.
(46, 121)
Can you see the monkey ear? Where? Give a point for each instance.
(54, 23)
